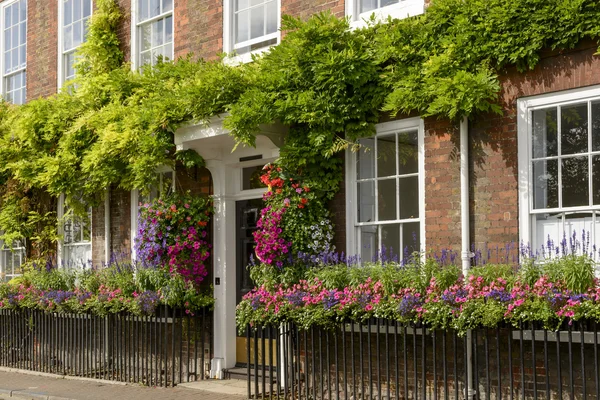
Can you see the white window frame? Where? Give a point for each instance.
(402, 9)
(61, 50)
(6, 252)
(228, 36)
(353, 244)
(135, 207)
(3, 76)
(61, 245)
(525, 107)
(136, 37)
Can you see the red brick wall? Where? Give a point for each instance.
(124, 31)
(306, 8)
(199, 28)
(42, 48)
(494, 185)
(442, 185)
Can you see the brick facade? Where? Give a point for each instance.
(42, 48)
(493, 144)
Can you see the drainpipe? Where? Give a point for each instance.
(107, 226)
(465, 235)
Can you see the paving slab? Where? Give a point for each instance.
(18, 385)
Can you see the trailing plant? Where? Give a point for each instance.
(341, 293)
(114, 289)
(173, 232)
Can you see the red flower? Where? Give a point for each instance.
(300, 205)
(304, 201)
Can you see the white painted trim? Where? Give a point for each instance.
(350, 171)
(60, 72)
(228, 46)
(525, 106)
(60, 213)
(135, 37)
(403, 9)
(2, 10)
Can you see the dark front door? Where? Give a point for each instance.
(247, 215)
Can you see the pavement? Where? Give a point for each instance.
(36, 386)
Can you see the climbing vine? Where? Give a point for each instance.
(329, 84)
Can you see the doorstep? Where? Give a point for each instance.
(223, 386)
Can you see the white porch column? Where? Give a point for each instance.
(224, 273)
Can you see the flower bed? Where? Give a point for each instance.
(551, 292)
(114, 289)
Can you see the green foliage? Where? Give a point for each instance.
(576, 271)
(100, 53)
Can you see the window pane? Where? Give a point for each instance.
(7, 61)
(87, 8)
(411, 238)
(596, 179)
(408, 153)
(23, 10)
(386, 156)
(7, 41)
(251, 178)
(143, 7)
(68, 39)
(366, 201)
(167, 5)
(146, 58)
(390, 242)
(548, 231)
(388, 2)
(15, 13)
(578, 225)
(272, 17)
(545, 126)
(157, 33)
(257, 22)
(146, 37)
(241, 26)
(409, 197)
(369, 243)
(77, 11)
(365, 168)
(68, 12)
(596, 125)
(574, 132)
(241, 4)
(545, 184)
(168, 30)
(154, 9)
(386, 202)
(7, 18)
(77, 32)
(575, 179)
(367, 5)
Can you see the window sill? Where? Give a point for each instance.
(246, 57)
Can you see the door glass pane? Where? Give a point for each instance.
(365, 168)
(366, 201)
(545, 184)
(545, 127)
(386, 156)
(386, 202)
(574, 132)
(251, 178)
(409, 197)
(390, 242)
(408, 153)
(575, 179)
(369, 243)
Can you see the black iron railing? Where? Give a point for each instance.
(162, 350)
(383, 359)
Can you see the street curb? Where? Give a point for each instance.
(67, 377)
(25, 395)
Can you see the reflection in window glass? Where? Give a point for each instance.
(76, 14)
(254, 25)
(387, 190)
(155, 30)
